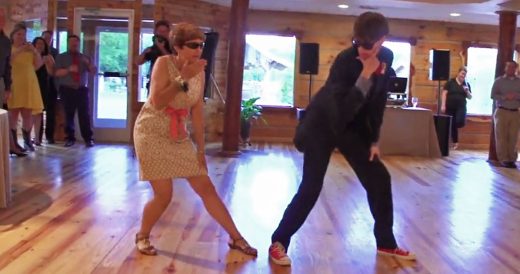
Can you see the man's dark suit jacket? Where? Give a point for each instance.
(340, 106)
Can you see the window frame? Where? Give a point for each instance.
(410, 65)
(465, 47)
(296, 36)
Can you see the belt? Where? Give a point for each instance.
(509, 109)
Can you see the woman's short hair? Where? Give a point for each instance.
(18, 27)
(184, 32)
(465, 69)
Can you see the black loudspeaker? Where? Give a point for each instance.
(208, 54)
(440, 64)
(309, 58)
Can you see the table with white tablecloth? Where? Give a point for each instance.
(5, 178)
(409, 131)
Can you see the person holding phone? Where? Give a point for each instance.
(25, 98)
(73, 69)
(160, 47)
(52, 95)
(44, 81)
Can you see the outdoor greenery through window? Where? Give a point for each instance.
(402, 58)
(62, 47)
(269, 69)
(112, 91)
(144, 69)
(34, 29)
(481, 75)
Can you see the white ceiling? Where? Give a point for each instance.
(472, 11)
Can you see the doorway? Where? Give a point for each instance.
(106, 37)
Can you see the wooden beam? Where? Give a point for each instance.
(135, 106)
(506, 47)
(72, 4)
(237, 43)
(52, 14)
(158, 10)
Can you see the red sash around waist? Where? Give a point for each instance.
(177, 117)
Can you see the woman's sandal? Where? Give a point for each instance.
(142, 243)
(241, 245)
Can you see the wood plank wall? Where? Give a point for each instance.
(52, 14)
(205, 15)
(333, 33)
(21, 10)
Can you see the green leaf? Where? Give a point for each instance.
(250, 110)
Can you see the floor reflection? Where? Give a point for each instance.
(471, 201)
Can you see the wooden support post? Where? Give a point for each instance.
(237, 43)
(506, 47)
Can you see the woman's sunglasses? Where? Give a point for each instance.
(364, 44)
(195, 45)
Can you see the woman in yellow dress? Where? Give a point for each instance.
(25, 96)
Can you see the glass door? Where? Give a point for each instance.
(144, 69)
(106, 38)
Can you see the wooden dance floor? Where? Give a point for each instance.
(76, 210)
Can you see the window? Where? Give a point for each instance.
(402, 58)
(269, 69)
(34, 29)
(144, 70)
(62, 37)
(481, 75)
(111, 96)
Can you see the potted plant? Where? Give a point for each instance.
(249, 112)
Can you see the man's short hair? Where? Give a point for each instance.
(164, 23)
(370, 27)
(72, 36)
(47, 32)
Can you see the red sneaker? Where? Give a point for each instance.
(397, 252)
(277, 254)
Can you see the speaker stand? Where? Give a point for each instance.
(300, 112)
(310, 87)
(442, 126)
(439, 99)
(215, 85)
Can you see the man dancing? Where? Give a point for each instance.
(347, 113)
